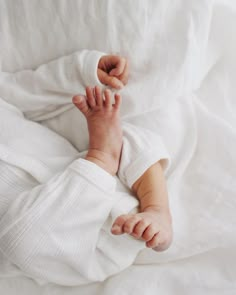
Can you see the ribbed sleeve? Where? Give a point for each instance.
(141, 149)
(51, 231)
(48, 90)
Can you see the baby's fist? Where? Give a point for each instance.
(113, 70)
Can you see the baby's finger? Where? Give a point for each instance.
(117, 227)
(111, 81)
(124, 77)
(140, 228)
(119, 63)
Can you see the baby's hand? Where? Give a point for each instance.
(113, 70)
(152, 225)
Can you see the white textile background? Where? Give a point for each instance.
(183, 67)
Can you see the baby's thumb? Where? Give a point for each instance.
(110, 80)
(114, 82)
(115, 72)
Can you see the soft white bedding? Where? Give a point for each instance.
(183, 67)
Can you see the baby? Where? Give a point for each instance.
(153, 222)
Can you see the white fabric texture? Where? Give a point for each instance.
(182, 87)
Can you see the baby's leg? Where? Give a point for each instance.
(153, 223)
(105, 133)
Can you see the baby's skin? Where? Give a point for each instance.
(153, 223)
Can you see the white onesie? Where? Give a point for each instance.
(56, 209)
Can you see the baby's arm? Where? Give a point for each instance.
(153, 222)
(40, 92)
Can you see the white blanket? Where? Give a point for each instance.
(183, 65)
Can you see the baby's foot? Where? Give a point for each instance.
(152, 225)
(105, 133)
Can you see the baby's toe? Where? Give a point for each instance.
(130, 224)
(139, 228)
(154, 242)
(163, 242)
(90, 97)
(117, 227)
(108, 99)
(149, 233)
(81, 103)
(98, 96)
(117, 101)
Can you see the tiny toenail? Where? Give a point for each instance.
(77, 99)
(115, 227)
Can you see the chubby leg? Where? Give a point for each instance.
(105, 132)
(153, 223)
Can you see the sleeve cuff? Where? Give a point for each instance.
(90, 65)
(94, 174)
(144, 161)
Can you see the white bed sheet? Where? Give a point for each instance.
(183, 63)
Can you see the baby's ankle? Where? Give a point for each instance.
(104, 160)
